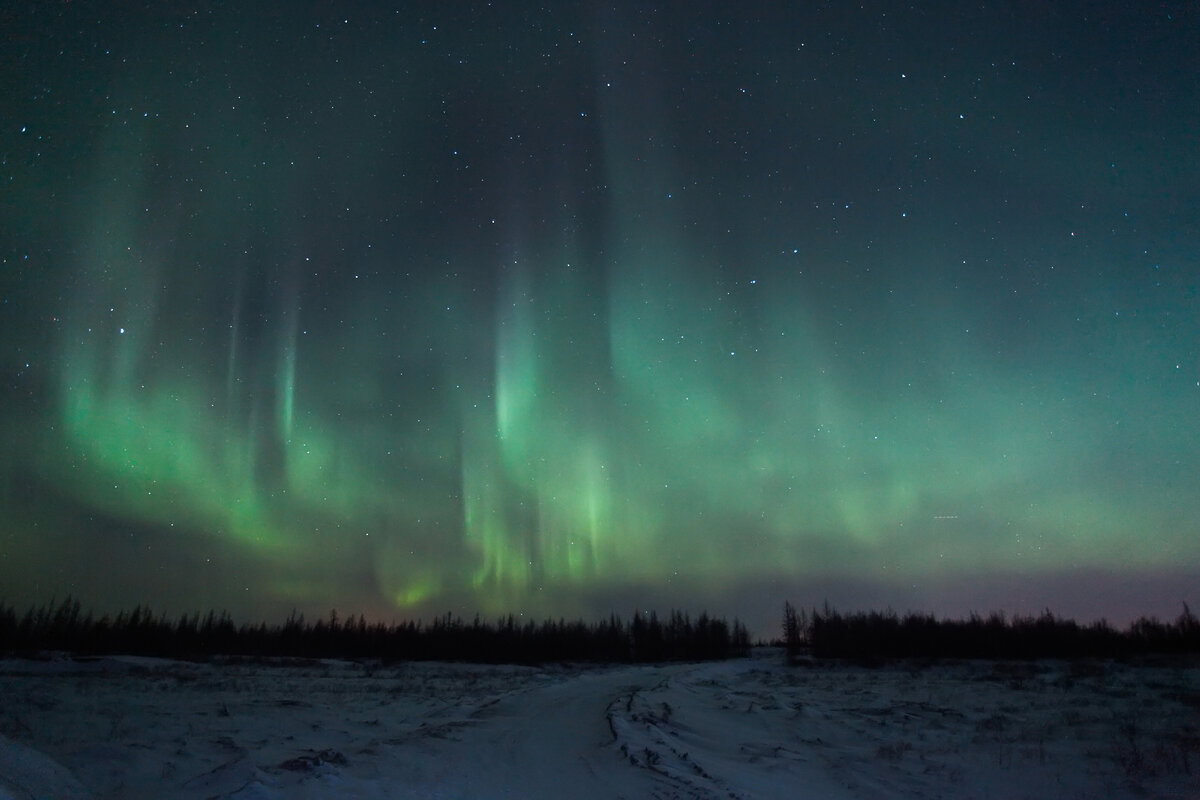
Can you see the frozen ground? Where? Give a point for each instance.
(752, 728)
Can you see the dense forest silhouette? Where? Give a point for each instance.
(65, 627)
(644, 638)
(873, 635)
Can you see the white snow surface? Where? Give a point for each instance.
(750, 728)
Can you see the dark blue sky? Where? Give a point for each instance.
(571, 310)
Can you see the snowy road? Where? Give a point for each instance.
(552, 741)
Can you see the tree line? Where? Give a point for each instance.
(827, 633)
(66, 627)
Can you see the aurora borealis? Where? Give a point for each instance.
(574, 309)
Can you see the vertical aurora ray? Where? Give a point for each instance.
(536, 496)
(487, 520)
(517, 372)
(286, 387)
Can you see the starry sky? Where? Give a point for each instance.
(591, 307)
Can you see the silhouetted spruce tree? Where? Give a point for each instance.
(793, 633)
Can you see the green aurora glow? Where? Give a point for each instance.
(549, 314)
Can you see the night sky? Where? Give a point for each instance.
(561, 311)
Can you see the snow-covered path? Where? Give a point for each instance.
(752, 728)
(550, 741)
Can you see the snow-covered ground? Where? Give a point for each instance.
(750, 728)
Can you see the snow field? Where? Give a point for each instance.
(747, 728)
